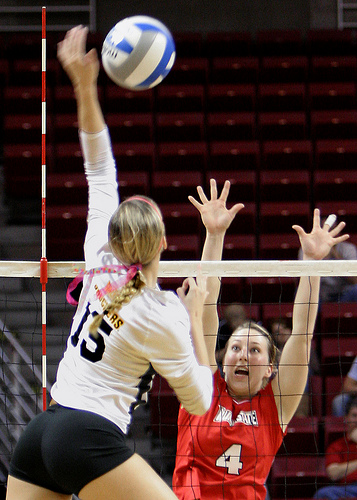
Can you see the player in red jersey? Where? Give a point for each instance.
(227, 453)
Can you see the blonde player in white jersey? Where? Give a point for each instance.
(125, 329)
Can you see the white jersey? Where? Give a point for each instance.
(111, 374)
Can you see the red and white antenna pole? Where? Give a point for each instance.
(43, 264)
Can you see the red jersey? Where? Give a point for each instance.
(341, 451)
(227, 453)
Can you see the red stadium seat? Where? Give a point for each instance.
(334, 428)
(164, 407)
(64, 100)
(316, 395)
(24, 100)
(175, 186)
(279, 217)
(281, 97)
(180, 98)
(236, 70)
(188, 43)
(237, 156)
(173, 156)
(243, 184)
(337, 354)
(338, 318)
(29, 71)
(289, 185)
(270, 290)
(302, 437)
(287, 155)
(271, 312)
(68, 157)
(137, 156)
(66, 227)
(232, 290)
(134, 127)
(293, 477)
(231, 97)
(239, 247)
(229, 43)
(332, 95)
(335, 154)
(4, 72)
(329, 42)
(120, 100)
(188, 70)
(182, 247)
(132, 183)
(230, 126)
(180, 127)
(279, 42)
(22, 170)
(278, 246)
(65, 128)
(25, 129)
(277, 126)
(71, 188)
(181, 218)
(333, 68)
(334, 124)
(284, 69)
(332, 388)
(337, 185)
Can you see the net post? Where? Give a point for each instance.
(43, 263)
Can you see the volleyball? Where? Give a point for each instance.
(138, 52)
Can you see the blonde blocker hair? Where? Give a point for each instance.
(136, 231)
(136, 235)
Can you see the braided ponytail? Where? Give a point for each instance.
(117, 299)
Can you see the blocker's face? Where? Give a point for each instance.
(246, 363)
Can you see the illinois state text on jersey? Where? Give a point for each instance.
(227, 453)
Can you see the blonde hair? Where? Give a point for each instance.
(136, 235)
(136, 231)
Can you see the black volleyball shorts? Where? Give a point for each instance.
(63, 449)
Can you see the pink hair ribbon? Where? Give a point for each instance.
(123, 279)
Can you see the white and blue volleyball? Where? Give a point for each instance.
(138, 52)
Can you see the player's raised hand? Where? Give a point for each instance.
(215, 215)
(82, 67)
(317, 244)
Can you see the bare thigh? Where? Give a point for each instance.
(21, 490)
(132, 480)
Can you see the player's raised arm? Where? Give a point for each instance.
(216, 218)
(291, 380)
(82, 68)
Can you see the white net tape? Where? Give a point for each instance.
(169, 269)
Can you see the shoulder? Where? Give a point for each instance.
(165, 312)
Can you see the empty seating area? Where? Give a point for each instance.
(275, 113)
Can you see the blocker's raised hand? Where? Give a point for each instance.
(317, 244)
(214, 213)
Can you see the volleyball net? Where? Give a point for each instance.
(264, 289)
